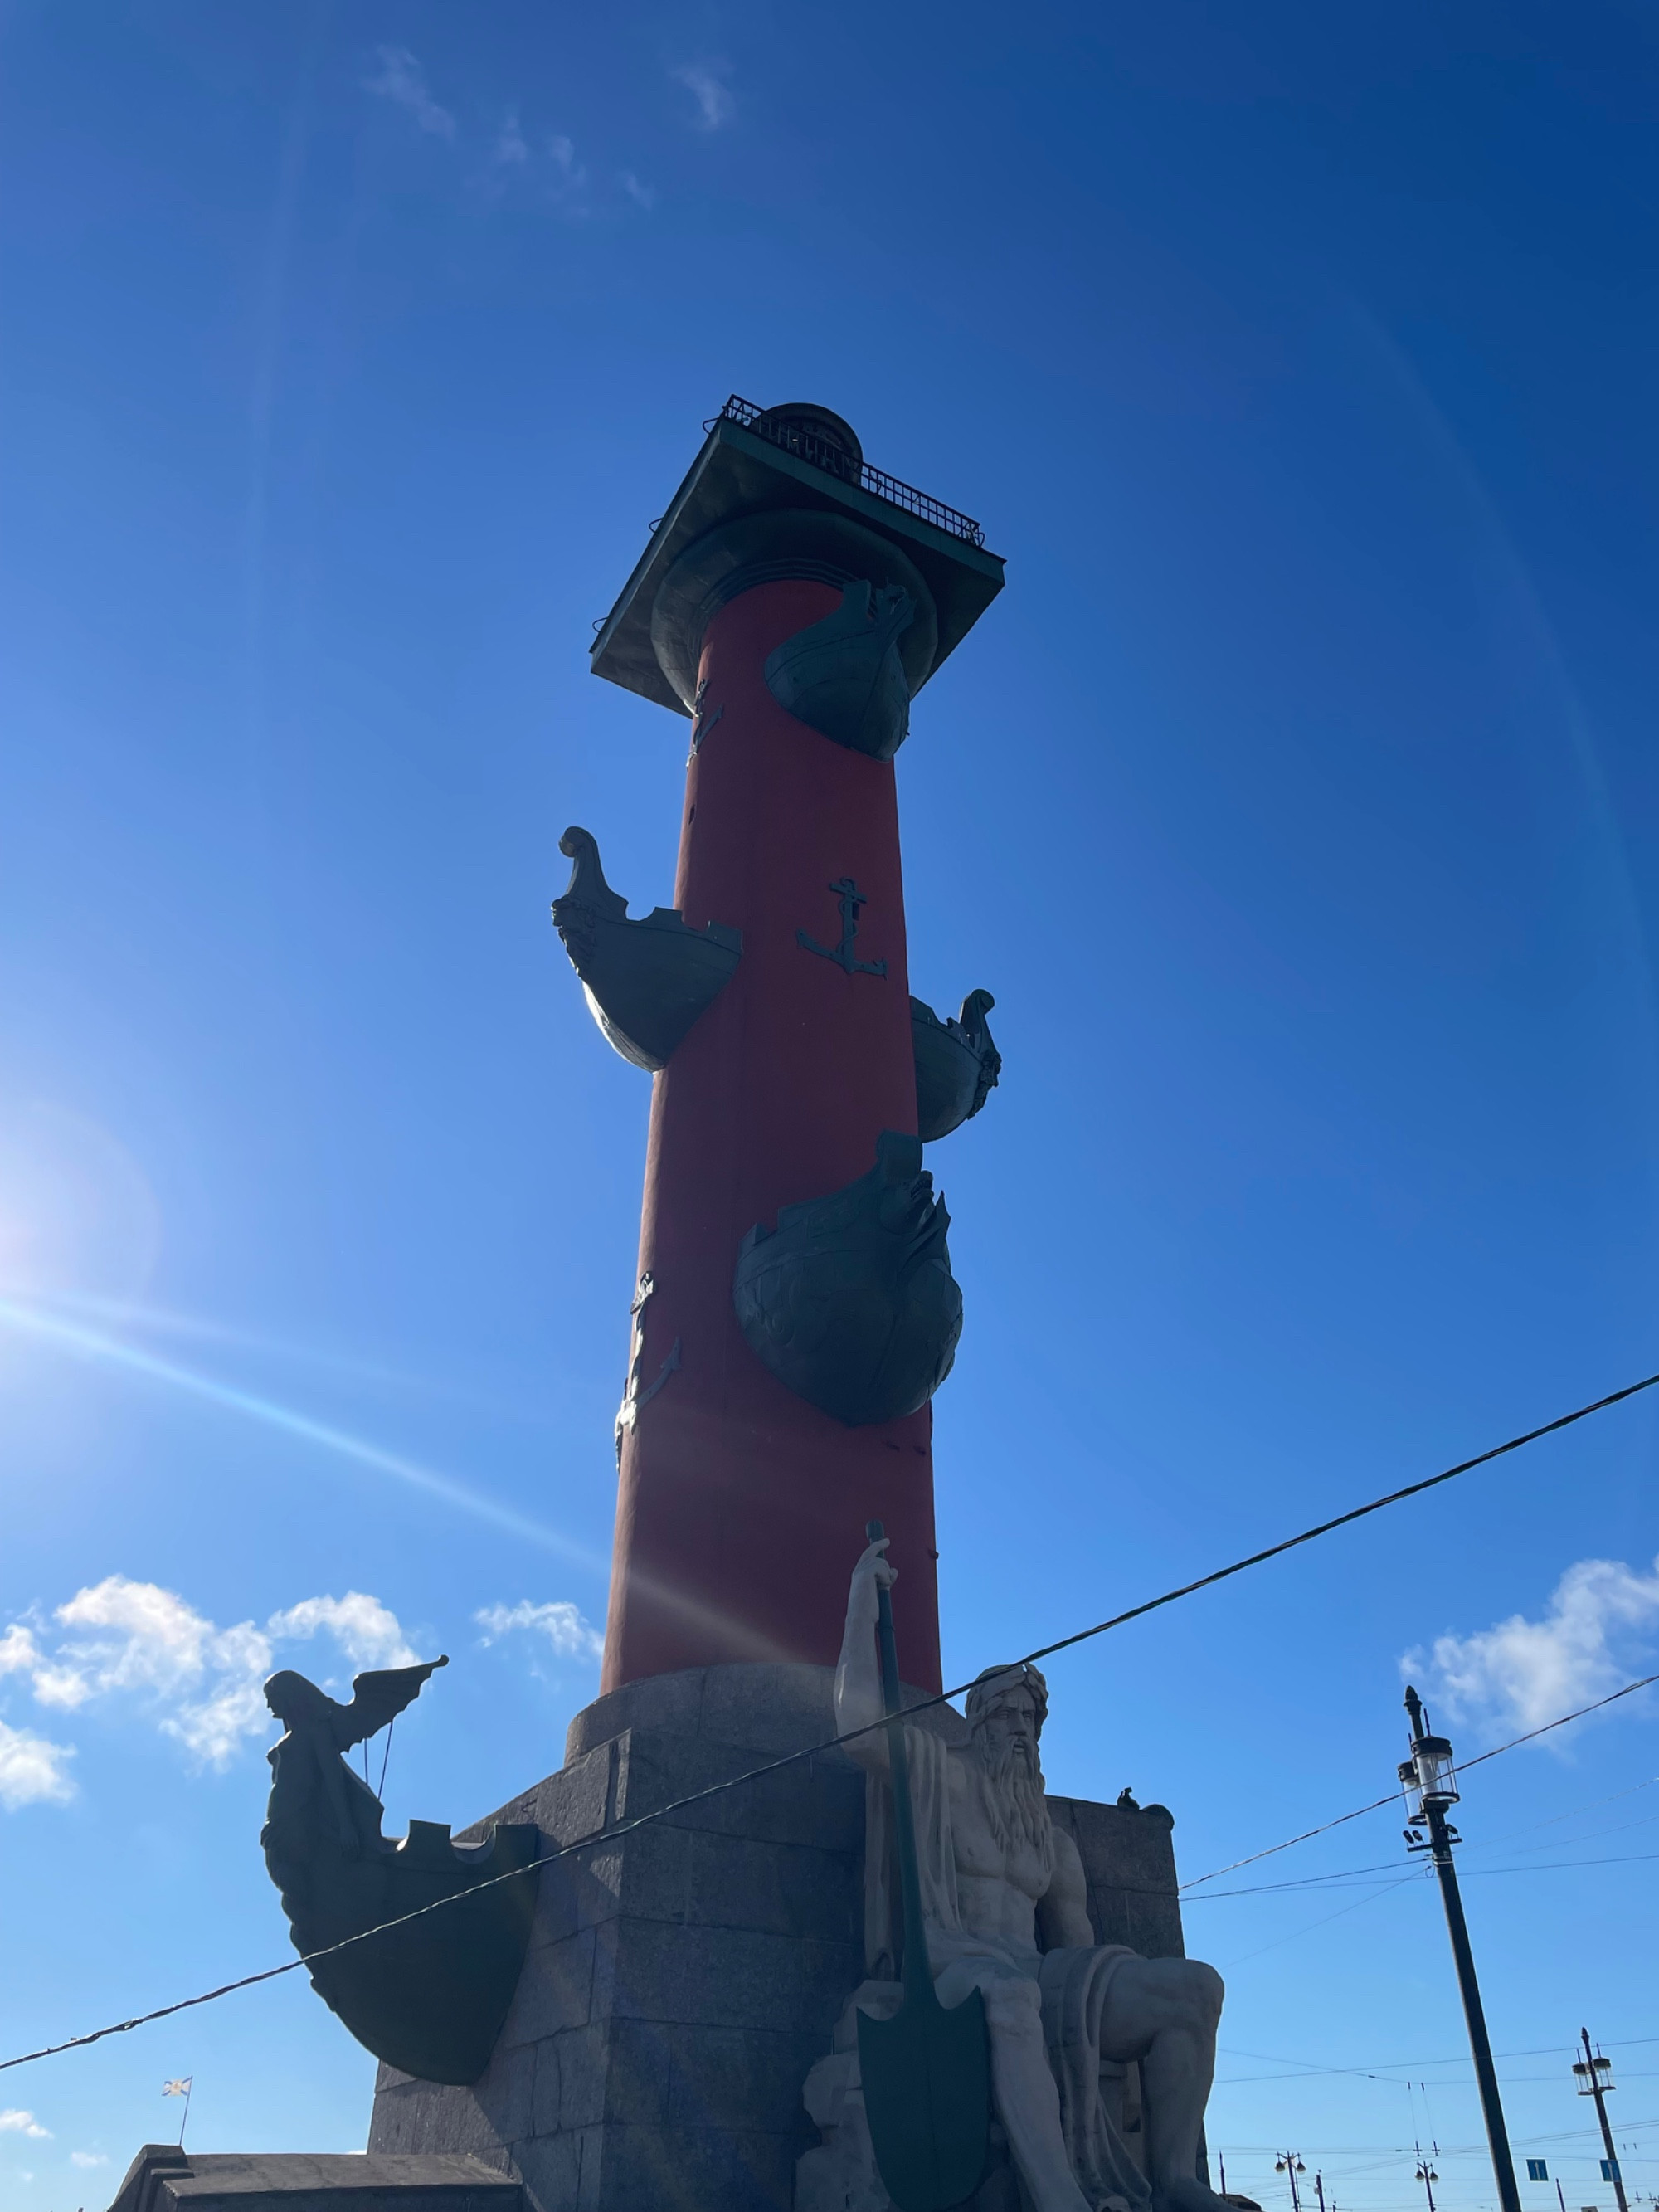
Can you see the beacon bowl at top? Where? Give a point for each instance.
(757, 461)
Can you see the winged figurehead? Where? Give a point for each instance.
(376, 1700)
(315, 1797)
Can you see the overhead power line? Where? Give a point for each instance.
(922, 1705)
(1350, 1877)
(1325, 1527)
(1381, 2066)
(1392, 1797)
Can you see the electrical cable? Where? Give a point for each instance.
(921, 1705)
(1385, 1890)
(1554, 1866)
(1392, 1797)
(1349, 1877)
(1491, 1842)
(1381, 2066)
(609, 1835)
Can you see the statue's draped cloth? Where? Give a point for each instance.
(1073, 1983)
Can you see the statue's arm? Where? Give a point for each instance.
(858, 1677)
(1063, 1910)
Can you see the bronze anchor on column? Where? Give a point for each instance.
(852, 898)
(703, 719)
(639, 1393)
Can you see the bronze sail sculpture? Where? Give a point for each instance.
(428, 1997)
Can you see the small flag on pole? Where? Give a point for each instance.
(180, 2089)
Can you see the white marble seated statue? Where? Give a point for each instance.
(1005, 1901)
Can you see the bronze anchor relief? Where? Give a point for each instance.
(852, 898)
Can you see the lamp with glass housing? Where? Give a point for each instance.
(1594, 2074)
(1428, 1776)
(1430, 1781)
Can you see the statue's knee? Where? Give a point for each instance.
(1204, 1989)
(1014, 2005)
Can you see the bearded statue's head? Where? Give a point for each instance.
(1006, 1708)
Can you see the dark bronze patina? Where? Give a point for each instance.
(843, 676)
(852, 898)
(639, 1393)
(850, 1301)
(646, 981)
(786, 490)
(926, 2072)
(956, 1065)
(428, 1997)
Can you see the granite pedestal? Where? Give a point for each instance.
(682, 1981)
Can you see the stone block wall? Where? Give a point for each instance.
(684, 1980)
(1128, 1856)
(681, 1980)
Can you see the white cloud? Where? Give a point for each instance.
(1596, 1632)
(154, 1641)
(203, 1682)
(146, 1640)
(369, 1634)
(706, 82)
(571, 1636)
(403, 81)
(511, 151)
(88, 2158)
(13, 2122)
(213, 1727)
(547, 169)
(569, 181)
(31, 1773)
(544, 172)
(642, 195)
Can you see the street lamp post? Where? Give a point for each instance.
(1291, 2164)
(1430, 1786)
(1427, 2176)
(1595, 2075)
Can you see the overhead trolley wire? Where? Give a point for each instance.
(1314, 1885)
(1381, 2068)
(921, 1705)
(1321, 1528)
(1392, 1797)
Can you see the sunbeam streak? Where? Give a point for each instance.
(132, 1315)
(93, 1344)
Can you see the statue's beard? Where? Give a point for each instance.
(1012, 1792)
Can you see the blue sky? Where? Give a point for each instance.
(1298, 801)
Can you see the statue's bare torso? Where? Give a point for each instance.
(1003, 1881)
(1020, 1894)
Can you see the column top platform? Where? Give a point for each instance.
(758, 461)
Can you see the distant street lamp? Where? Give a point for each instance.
(1596, 2080)
(1291, 2164)
(1430, 1781)
(1427, 2176)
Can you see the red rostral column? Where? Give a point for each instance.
(784, 570)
